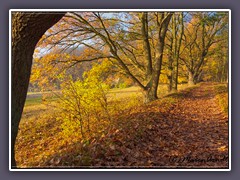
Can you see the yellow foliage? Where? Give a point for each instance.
(83, 103)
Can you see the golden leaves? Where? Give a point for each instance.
(222, 148)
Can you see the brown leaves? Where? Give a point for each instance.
(190, 132)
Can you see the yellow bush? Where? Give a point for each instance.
(83, 103)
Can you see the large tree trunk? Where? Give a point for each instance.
(27, 29)
(150, 91)
(150, 95)
(152, 86)
(191, 78)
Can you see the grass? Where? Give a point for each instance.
(40, 133)
(33, 101)
(38, 98)
(35, 98)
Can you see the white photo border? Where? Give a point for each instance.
(123, 10)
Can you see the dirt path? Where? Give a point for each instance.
(192, 133)
(196, 134)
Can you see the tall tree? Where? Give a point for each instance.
(27, 29)
(175, 40)
(134, 41)
(201, 32)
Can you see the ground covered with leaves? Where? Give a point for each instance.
(188, 129)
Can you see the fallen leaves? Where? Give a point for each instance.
(191, 132)
(222, 148)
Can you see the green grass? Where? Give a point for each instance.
(33, 101)
(36, 99)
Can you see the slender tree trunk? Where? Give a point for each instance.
(178, 51)
(170, 75)
(170, 55)
(146, 44)
(27, 29)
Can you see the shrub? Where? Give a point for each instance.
(84, 104)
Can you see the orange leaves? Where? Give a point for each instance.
(157, 134)
(222, 148)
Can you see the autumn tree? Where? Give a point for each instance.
(174, 37)
(133, 41)
(48, 67)
(27, 29)
(216, 68)
(201, 32)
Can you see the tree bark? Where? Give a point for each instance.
(170, 72)
(191, 78)
(152, 86)
(150, 94)
(27, 29)
(178, 50)
(146, 44)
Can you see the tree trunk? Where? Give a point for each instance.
(170, 73)
(159, 56)
(27, 29)
(190, 78)
(150, 90)
(178, 50)
(150, 95)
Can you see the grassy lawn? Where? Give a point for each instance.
(32, 101)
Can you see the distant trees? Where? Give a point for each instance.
(176, 31)
(48, 68)
(216, 67)
(203, 30)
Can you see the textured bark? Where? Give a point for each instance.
(153, 84)
(146, 44)
(150, 95)
(170, 74)
(27, 29)
(178, 50)
(191, 80)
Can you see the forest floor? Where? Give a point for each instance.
(187, 129)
